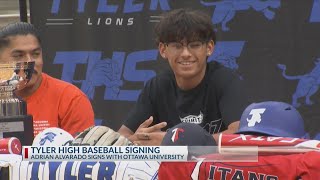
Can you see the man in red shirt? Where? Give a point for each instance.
(51, 102)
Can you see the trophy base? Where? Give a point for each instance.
(4, 173)
(20, 127)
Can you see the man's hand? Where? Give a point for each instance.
(150, 139)
(145, 130)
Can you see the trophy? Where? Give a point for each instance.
(14, 120)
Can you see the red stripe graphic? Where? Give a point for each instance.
(26, 153)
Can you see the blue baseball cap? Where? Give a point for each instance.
(272, 118)
(193, 136)
(188, 134)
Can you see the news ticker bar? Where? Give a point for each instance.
(137, 153)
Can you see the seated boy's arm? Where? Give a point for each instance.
(125, 131)
(232, 128)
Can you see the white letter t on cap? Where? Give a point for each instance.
(256, 116)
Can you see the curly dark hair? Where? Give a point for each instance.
(179, 24)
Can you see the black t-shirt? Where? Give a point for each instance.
(215, 103)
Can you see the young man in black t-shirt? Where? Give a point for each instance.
(193, 91)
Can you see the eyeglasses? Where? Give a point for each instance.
(177, 47)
